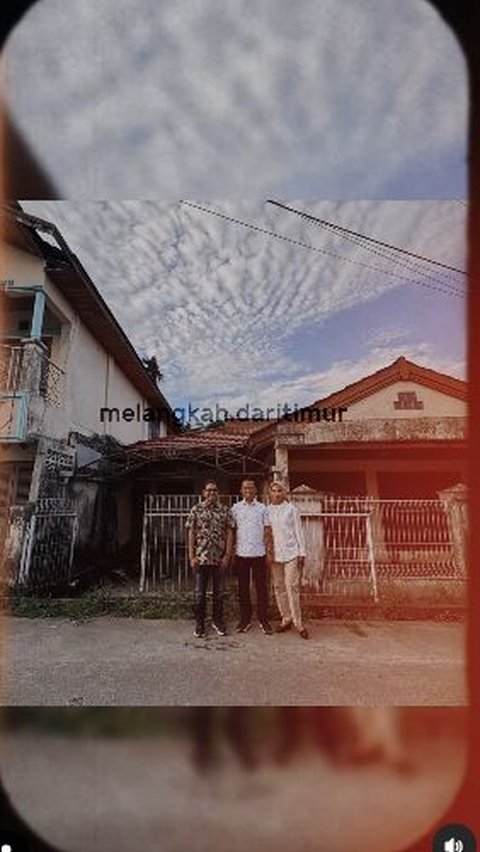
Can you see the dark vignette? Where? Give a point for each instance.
(25, 178)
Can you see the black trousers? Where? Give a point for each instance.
(202, 577)
(246, 567)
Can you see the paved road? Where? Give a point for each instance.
(143, 794)
(120, 661)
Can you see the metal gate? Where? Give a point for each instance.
(352, 543)
(48, 545)
(340, 552)
(164, 555)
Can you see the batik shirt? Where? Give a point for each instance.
(210, 523)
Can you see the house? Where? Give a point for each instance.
(65, 363)
(397, 433)
(377, 469)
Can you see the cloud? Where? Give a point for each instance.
(223, 307)
(316, 385)
(314, 98)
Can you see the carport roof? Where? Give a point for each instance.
(224, 452)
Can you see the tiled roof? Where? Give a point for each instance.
(400, 370)
(191, 441)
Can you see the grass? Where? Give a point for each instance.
(171, 605)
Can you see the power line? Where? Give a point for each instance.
(389, 255)
(335, 227)
(450, 291)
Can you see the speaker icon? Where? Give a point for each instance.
(453, 845)
(454, 837)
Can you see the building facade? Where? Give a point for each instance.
(398, 433)
(68, 373)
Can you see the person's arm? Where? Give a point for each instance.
(299, 536)
(228, 548)
(191, 541)
(268, 536)
(229, 539)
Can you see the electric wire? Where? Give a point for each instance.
(445, 290)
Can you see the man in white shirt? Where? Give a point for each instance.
(251, 535)
(287, 557)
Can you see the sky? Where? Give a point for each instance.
(179, 98)
(235, 315)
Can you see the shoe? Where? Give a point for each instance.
(304, 633)
(266, 628)
(220, 628)
(283, 627)
(200, 632)
(243, 626)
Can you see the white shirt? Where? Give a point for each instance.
(250, 522)
(288, 540)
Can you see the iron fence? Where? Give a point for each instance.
(11, 363)
(25, 369)
(48, 545)
(164, 554)
(353, 544)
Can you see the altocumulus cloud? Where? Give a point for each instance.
(141, 98)
(229, 312)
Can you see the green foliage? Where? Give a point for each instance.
(440, 604)
(98, 721)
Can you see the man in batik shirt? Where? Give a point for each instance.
(210, 539)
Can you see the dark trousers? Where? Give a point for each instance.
(246, 567)
(202, 576)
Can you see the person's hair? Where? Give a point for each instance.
(280, 483)
(250, 482)
(209, 482)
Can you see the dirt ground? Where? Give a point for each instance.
(123, 661)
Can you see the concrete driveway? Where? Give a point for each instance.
(121, 661)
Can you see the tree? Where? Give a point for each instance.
(152, 368)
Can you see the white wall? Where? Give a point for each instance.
(93, 381)
(21, 267)
(381, 404)
(122, 394)
(86, 381)
(92, 378)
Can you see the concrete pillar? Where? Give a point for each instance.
(309, 504)
(378, 535)
(280, 468)
(37, 473)
(33, 355)
(454, 501)
(37, 316)
(30, 381)
(371, 482)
